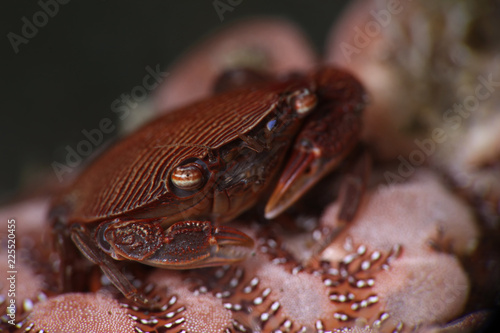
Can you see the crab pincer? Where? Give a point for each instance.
(328, 137)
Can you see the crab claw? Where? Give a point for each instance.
(305, 168)
(322, 145)
(195, 244)
(292, 183)
(328, 136)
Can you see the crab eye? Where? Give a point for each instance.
(188, 177)
(303, 101)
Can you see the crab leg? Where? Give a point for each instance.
(353, 186)
(82, 239)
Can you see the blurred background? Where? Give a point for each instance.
(64, 78)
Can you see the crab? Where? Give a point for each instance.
(161, 195)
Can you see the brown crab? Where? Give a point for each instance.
(158, 197)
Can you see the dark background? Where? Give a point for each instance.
(65, 78)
